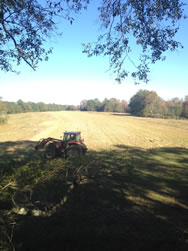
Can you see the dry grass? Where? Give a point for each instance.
(100, 130)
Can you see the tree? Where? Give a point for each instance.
(137, 103)
(3, 112)
(13, 107)
(83, 105)
(185, 107)
(22, 105)
(124, 105)
(25, 25)
(107, 105)
(72, 108)
(174, 108)
(116, 105)
(146, 103)
(91, 105)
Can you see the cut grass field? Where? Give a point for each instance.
(100, 130)
(128, 193)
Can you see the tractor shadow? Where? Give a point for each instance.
(130, 198)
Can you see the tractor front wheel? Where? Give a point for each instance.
(73, 152)
(49, 155)
(50, 151)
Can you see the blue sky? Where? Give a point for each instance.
(70, 76)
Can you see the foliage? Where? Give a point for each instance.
(145, 103)
(185, 108)
(72, 107)
(174, 108)
(25, 26)
(21, 106)
(3, 112)
(149, 104)
(107, 105)
(153, 26)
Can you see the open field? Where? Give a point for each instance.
(100, 130)
(128, 193)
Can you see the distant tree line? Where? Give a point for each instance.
(21, 106)
(3, 113)
(108, 105)
(144, 103)
(148, 104)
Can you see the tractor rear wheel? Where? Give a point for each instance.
(73, 152)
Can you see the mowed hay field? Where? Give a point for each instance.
(99, 130)
(128, 193)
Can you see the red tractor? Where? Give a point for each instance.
(72, 146)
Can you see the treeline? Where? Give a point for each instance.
(108, 105)
(21, 106)
(3, 113)
(144, 103)
(148, 104)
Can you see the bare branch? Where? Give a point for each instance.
(7, 185)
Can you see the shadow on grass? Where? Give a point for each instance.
(126, 199)
(121, 114)
(16, 153)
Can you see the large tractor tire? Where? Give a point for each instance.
(73, 152)
(84, 148)
(50, 152)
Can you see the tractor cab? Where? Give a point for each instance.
(72, 137)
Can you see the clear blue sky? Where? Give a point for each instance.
(70, 76)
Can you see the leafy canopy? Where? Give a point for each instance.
(25, 25)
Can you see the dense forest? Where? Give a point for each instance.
(144, 103)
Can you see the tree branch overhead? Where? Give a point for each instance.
(25, 26)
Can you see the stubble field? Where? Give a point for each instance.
(100, 130)
(130, 190)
